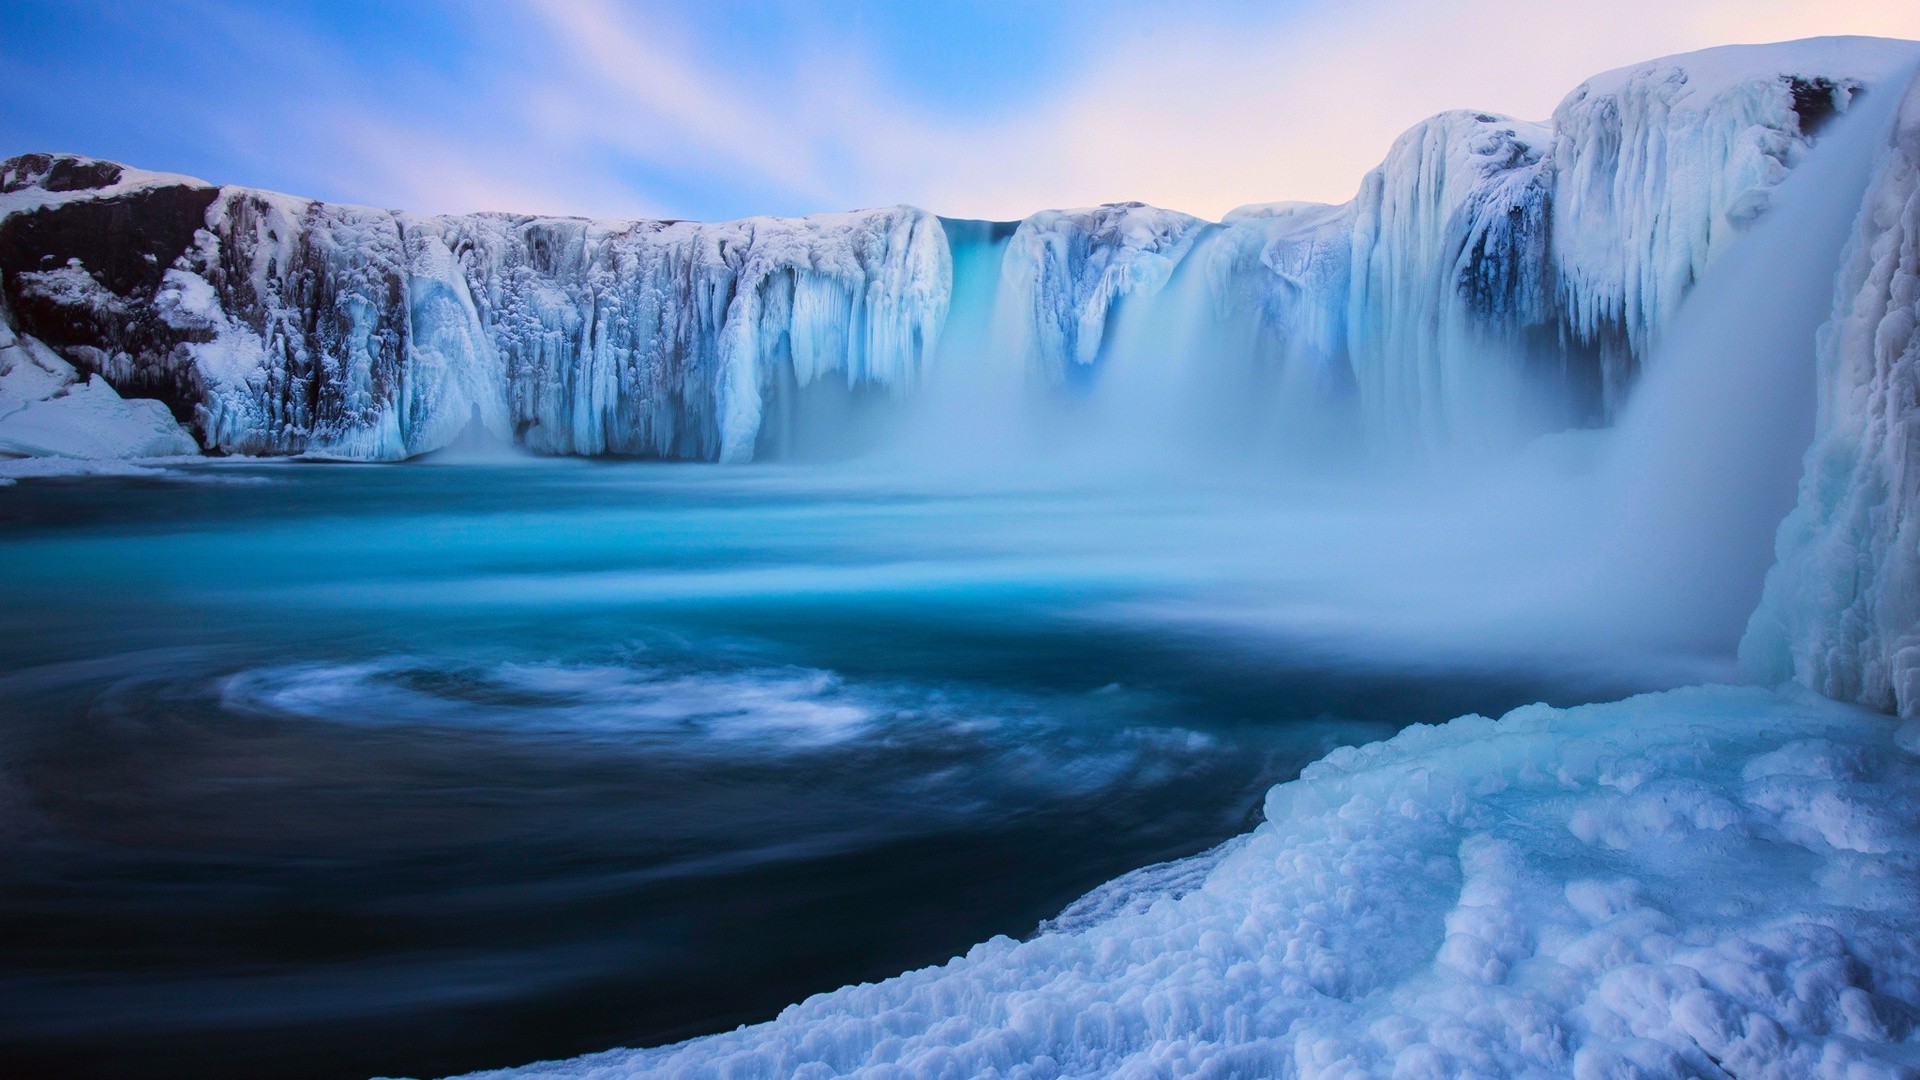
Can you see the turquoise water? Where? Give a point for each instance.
(329, 771)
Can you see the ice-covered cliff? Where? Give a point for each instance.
(277, 325)
(1066, 273)
(1492, 277)
(1841, 611)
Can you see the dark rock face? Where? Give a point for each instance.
(57, 172)
(126, 242)
(82, 275)
(1817, 100)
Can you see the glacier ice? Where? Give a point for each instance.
(1513, 897)
(1841, 608)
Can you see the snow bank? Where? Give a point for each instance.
(1841, 611)
(1708, 882)
(48, 411)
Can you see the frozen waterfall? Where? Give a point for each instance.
(1493, 279)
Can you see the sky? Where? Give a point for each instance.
(727, 108)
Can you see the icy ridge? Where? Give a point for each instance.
(1492, 278)
(291, 326)
(1841, 609)
(1517, 897)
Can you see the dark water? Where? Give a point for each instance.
(332, 771)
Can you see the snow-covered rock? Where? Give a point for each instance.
(1841, 611)
(1708, 882)
(47, 410)
(290, 326)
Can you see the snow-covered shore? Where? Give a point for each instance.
(1706, 882)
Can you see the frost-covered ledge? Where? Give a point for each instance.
(1841, 611)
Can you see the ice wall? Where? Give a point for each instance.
(1449, 252)
(1492, 279)
(1066, 273)
(279, 325)
(1841, 609)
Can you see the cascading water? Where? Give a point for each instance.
(1705, 460)
(1645, 540)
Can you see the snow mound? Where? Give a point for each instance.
(48, 411)
(1707, 882)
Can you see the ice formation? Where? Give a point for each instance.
(1515, 897)
(287, 326)
(1841, 611)
(1492, 276)
(1065, 273)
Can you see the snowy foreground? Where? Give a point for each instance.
(1712, 882)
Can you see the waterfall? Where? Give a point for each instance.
(1707, 456)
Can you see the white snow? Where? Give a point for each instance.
(30, 195)
(1708, 882)
(48, 411)
(87, 420)
(1841, 611)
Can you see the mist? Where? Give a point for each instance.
(1203, 448)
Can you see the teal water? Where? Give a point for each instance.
(332, 771)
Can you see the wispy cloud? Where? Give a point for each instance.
(1196, 117)
(593, 106)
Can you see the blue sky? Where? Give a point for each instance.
(723, 109)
